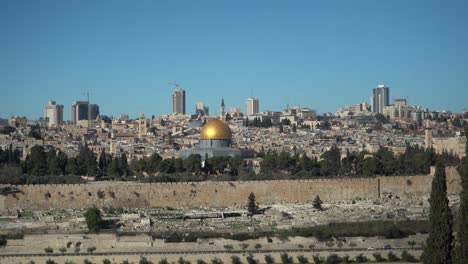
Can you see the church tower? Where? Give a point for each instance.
(428, 134)
(141, 126)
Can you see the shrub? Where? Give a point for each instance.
(91, 249)
(378, 257)
(63, 249)
(163, 261)
(302, 260)
(317, 259)
(228, 247)
(244, 246)
(392, 256)
(405, 256)
(143, 260)
(361, 258)
(235, 260)
(106, 261)
(48, 250)
(216, 261)
(269, 259)
(251, 260)
(286, 259)
(333, 259)
(200, 261)
(49, 261)
(258, 246)
(77, 250)
(86, 261)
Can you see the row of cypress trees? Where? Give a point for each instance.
(441, 245)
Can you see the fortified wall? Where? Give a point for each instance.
(216, 194)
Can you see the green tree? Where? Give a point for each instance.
(331, 162)
(252, 206)
(93, 219)
(102, 164)
(193, 164)
(439, 243)
(460, 252)
(286, 259)
(36, 161)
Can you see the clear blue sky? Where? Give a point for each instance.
(318, 54)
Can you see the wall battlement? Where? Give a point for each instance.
(216, 194)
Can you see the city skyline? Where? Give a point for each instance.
(309, 54)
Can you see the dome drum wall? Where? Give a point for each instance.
(215, 143)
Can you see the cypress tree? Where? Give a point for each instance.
(460, 255)
(439, 243)
(252, 206)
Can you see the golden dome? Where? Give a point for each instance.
(215, 129)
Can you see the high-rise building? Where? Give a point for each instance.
(83, 110)
(251, 106)
(178, 101)
(400, 102)
(201, 109)
(54, 113)
(380, 99)
(93, 111)
(222, 111)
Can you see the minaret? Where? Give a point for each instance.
(223, 110)
(428, 134)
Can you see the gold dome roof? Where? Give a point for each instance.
(215, 129)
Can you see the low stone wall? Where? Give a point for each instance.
(216, 194)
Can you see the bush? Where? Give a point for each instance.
(3, 241)
(91, 249)
(333, 259)
(48, 250)
(405, 256)
(235, 260)
(143, 260)
(86, 261)
(63, 249)
(392, 257)
(49, 261)
(302, 260)
(216, 261)
(228, 247)
(106, 261)
(251, 260)
(361, 258)
(258, 246)
(163, 261)
(378, 257)
(269, 259)
(286, 259)
(200, 261)
(317, 259)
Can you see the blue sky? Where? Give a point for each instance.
(318, 54)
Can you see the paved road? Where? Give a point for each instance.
(210, 252)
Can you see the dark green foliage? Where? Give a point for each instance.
(378, 257)
(252, 206)
(361, 258)
(405, 256)
(387, 229)
(302, 260)
(6, 130)
(3, 241)
(269, 259)
(286, 259)
(49, 261)
(143, 260)
(106, 261)
(35, 132)
(48, 250)
(163, 261)
(317, 203)
(216, 261)
(333, 259)
(235, 260)
(93, 219)
(200, 261)
(193, 164)
(317, 259)
(331, 162)
(251, 260)
(439, 243)
(392, 257)
(460, 251)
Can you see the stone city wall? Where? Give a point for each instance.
(216, 194)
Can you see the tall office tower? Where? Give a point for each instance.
(83, 110)
(142, 125)
(380, 98)
(201, 109)
(178, 101)
(251, 106)
(54, 113)
(93, 111)
(79, 111)
(399, 102)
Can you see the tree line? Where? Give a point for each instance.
(415, 160)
